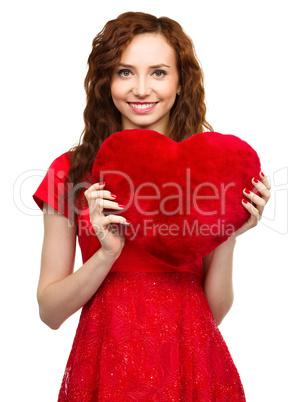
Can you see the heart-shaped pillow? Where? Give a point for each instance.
(183, 198)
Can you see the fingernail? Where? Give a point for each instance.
(102, 183)
(127, 221)
(247, 191)
(255, 180)
(245, 201)
(262, 174)
(113, 195)
(121, 205)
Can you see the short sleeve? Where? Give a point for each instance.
(54, 187)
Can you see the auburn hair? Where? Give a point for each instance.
(102, 118)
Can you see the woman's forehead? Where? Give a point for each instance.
(151, 48)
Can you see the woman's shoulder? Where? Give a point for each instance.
(60, 166)
(63, 161)
(54, 184)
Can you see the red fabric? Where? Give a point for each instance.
(148, 333)
(179, 196)
(149, 336)
(54, 185)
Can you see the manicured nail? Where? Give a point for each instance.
(255, 180)
(127, 221)
(245, 201)
(113, 195)
(262, 174)
(121, 205)
(247, 191)
(102, 183)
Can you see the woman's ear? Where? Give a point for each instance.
(178, 90)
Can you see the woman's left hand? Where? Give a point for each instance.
(256, 210)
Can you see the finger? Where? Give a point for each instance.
(117, 219)
(258, 201)
(94, 187)
(94, 194)
(265, 180)
(103, 203)
(264, 191)
(107, 220)
(252, 209)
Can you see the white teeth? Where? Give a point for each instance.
(142, 106)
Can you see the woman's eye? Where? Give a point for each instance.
(159, 73)
(124, 73)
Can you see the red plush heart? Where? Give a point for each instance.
(183, 199)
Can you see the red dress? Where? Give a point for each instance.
(148, 333)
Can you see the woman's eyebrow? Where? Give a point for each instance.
(125, 65)
(156, 66)
(159, 66)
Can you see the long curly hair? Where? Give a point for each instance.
(102, 118)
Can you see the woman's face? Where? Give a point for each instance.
(145, 83)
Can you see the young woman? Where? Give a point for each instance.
(144, 334)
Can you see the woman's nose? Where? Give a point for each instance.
(141, 88)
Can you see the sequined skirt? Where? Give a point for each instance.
(149, 336)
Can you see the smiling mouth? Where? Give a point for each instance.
(142, 106)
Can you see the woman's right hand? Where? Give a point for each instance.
(111, 240)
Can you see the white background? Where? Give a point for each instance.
(250, 55)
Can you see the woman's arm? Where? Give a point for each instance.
(217, 266)
(217, 279)
(61, 292)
